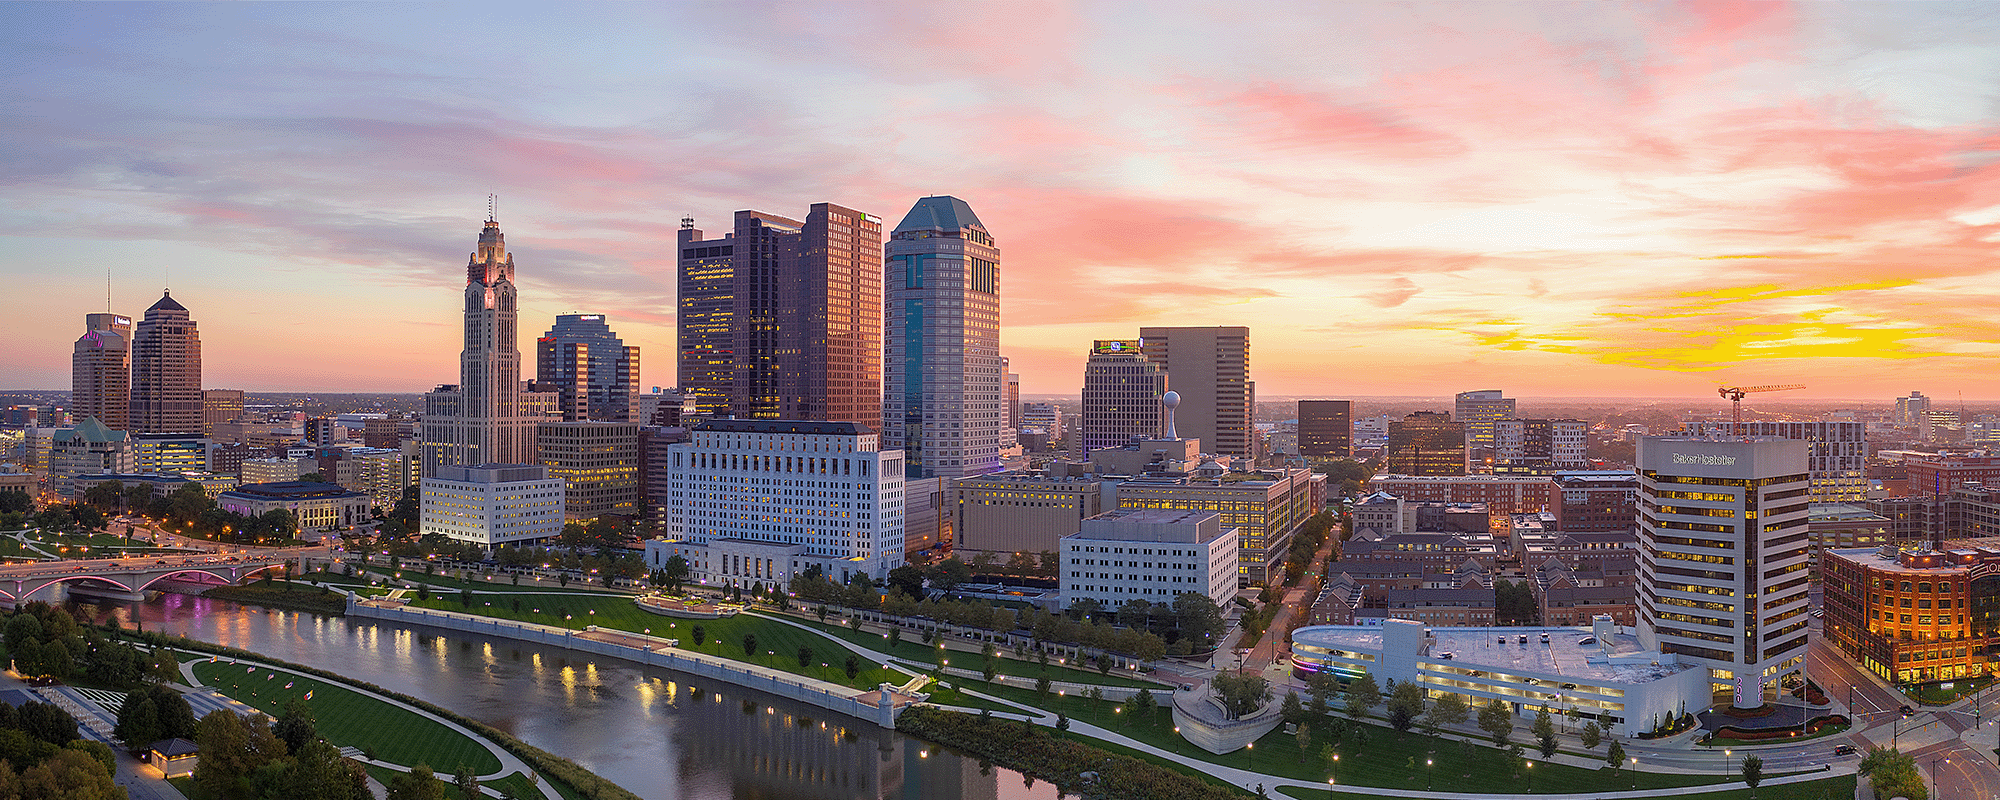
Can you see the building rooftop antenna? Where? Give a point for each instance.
(492, 207)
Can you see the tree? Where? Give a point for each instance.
(1293, 711)
(15, 501)
(749, 644)
(1591, 735)
(946, 575)
(1615, 755)
(1363, 695)
(989, 662)
(138, 722)
(1241, 694)
(1303, 737)
(1042, 686)
(1449, 709)
(699, 634)
(675, 571)
(909, 580)
(46, 721)
(71, 775)
(1496, 721)
(1134, 612)
(1062, 722)
(805, 655)
(1753, 773)
(1545, 733)
(296, 726)
(417, 784)
(1143, 704)
(1405, 705)
(467, 783)
(1198, 617)
(1893, 774)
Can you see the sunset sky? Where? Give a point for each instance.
(1596, 199)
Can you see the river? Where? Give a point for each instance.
(660, 734)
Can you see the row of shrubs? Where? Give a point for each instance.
(1033, 750)
(1813, 727)
(310, 599)
(586, 783)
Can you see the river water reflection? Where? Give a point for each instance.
(660, 734)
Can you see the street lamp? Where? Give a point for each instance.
(1531, 775)
(1427, 774)
(1635, 773)
(1725, 760)
(1336, 766)
(1934, 763)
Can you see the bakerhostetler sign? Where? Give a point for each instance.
(1705, 459)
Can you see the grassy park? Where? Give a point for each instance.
(351, 719)
(1370, 755)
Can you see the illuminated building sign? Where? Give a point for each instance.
(1116, 345)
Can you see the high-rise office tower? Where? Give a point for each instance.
(480, 420)
(1121, 396)
(1326, 429)
(219, 406)
(1910, 410)
(595, 374)
(706, 362)
(1210, 369)
(797, 317)
(166, 371)
(101, 371)
(944, 397)
(1477, 411)
(1426, 443)
(1013, 393)
(1722, 575)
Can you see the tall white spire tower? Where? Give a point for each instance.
(479, 421)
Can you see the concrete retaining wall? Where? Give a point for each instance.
(831, 697)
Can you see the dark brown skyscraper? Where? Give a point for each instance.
(1426, 443)
(166, 371)
(796, 315)
(101, 371)
(1326, 429)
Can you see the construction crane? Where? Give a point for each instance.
(1735, 396)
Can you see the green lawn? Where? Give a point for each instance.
(1838, 787)
(1386, 760)
(777, 645)
(351, 719)
(912, 647)
(500, 583)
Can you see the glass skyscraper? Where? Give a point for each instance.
(595, 375)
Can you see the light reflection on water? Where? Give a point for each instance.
(660, 734)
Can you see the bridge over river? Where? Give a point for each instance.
(135, 574)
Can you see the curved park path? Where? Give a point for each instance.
(509, 763)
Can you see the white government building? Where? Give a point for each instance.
(1722, 605)
(1150, 554)
(758, 501)
(493, 505)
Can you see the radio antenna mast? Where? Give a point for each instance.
(492, 207)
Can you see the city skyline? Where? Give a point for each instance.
(1618, 200)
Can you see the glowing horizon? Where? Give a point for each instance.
(1600, 200)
